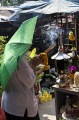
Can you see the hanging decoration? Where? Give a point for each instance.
(74, 63)
(71, 36)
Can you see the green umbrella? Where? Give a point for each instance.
(15, 49)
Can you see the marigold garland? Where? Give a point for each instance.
(45, 58)
(71, 76)
(71, 36)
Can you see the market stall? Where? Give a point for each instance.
(67, 13)
(67, 89)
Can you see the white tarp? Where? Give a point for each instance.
(31, 4)
(59, 6)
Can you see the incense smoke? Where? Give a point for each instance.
(53, 33)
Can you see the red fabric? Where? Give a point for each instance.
(2, 114)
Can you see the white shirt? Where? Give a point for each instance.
(20, 93)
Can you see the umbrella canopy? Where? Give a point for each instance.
(60, 55)
(59, 6)
(15, 49)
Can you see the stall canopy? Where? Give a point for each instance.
(59, 6)
(31, 4)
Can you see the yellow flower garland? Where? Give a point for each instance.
(71, 76)
(45, 58)
(71, 36)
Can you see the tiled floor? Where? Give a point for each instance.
(47, 110)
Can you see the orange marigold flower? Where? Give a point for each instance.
(71, 36)
(71, 76)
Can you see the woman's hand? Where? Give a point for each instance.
(34, 62)
(37, 60)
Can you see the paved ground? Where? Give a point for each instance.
(47, 110)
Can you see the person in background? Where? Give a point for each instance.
(18, 100)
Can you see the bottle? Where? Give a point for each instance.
(68, 106)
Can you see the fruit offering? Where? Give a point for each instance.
(45, 96)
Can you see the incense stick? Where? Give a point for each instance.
(50, 48)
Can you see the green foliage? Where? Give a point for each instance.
(12, 2)
(5, 3)
(2, 45)
(21, 1)
(16, 2)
